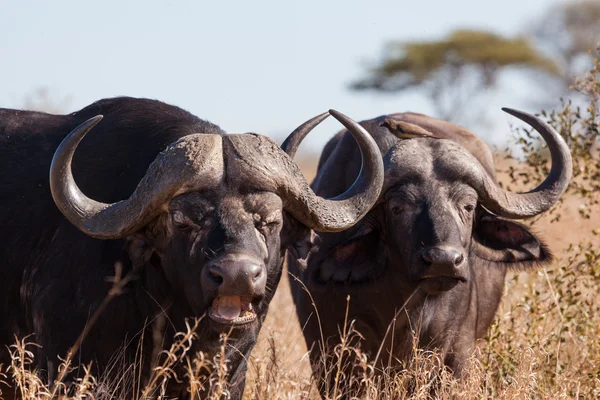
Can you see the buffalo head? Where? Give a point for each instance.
(439, 212)
(216, 214)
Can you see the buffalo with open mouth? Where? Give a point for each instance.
(204, 224)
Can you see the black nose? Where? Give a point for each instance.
(443, 261)
(236, 276)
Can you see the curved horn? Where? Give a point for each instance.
(522, 205)
(345, 210)
(192, 162)
(292, 142)
(256, 160)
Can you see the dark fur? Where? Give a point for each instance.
(54, 276)
(378, 261)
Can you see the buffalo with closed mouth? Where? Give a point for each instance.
(431, 256)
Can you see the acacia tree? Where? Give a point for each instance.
(454, 72)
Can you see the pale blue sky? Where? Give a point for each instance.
(261, 66)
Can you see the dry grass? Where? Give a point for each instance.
(543, 344)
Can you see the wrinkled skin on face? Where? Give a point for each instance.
(428, 258)
(200, 229)
(415, 216)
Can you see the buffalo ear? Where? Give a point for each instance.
(297, 238)
(355, 259)
(499, 240)
(139, 250)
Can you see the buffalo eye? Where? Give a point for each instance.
(397, 210)
(264, 224)
(271, 224)
(469, 208)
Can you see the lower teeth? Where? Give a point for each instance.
(231, 310)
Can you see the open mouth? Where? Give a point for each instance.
(232, 310)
